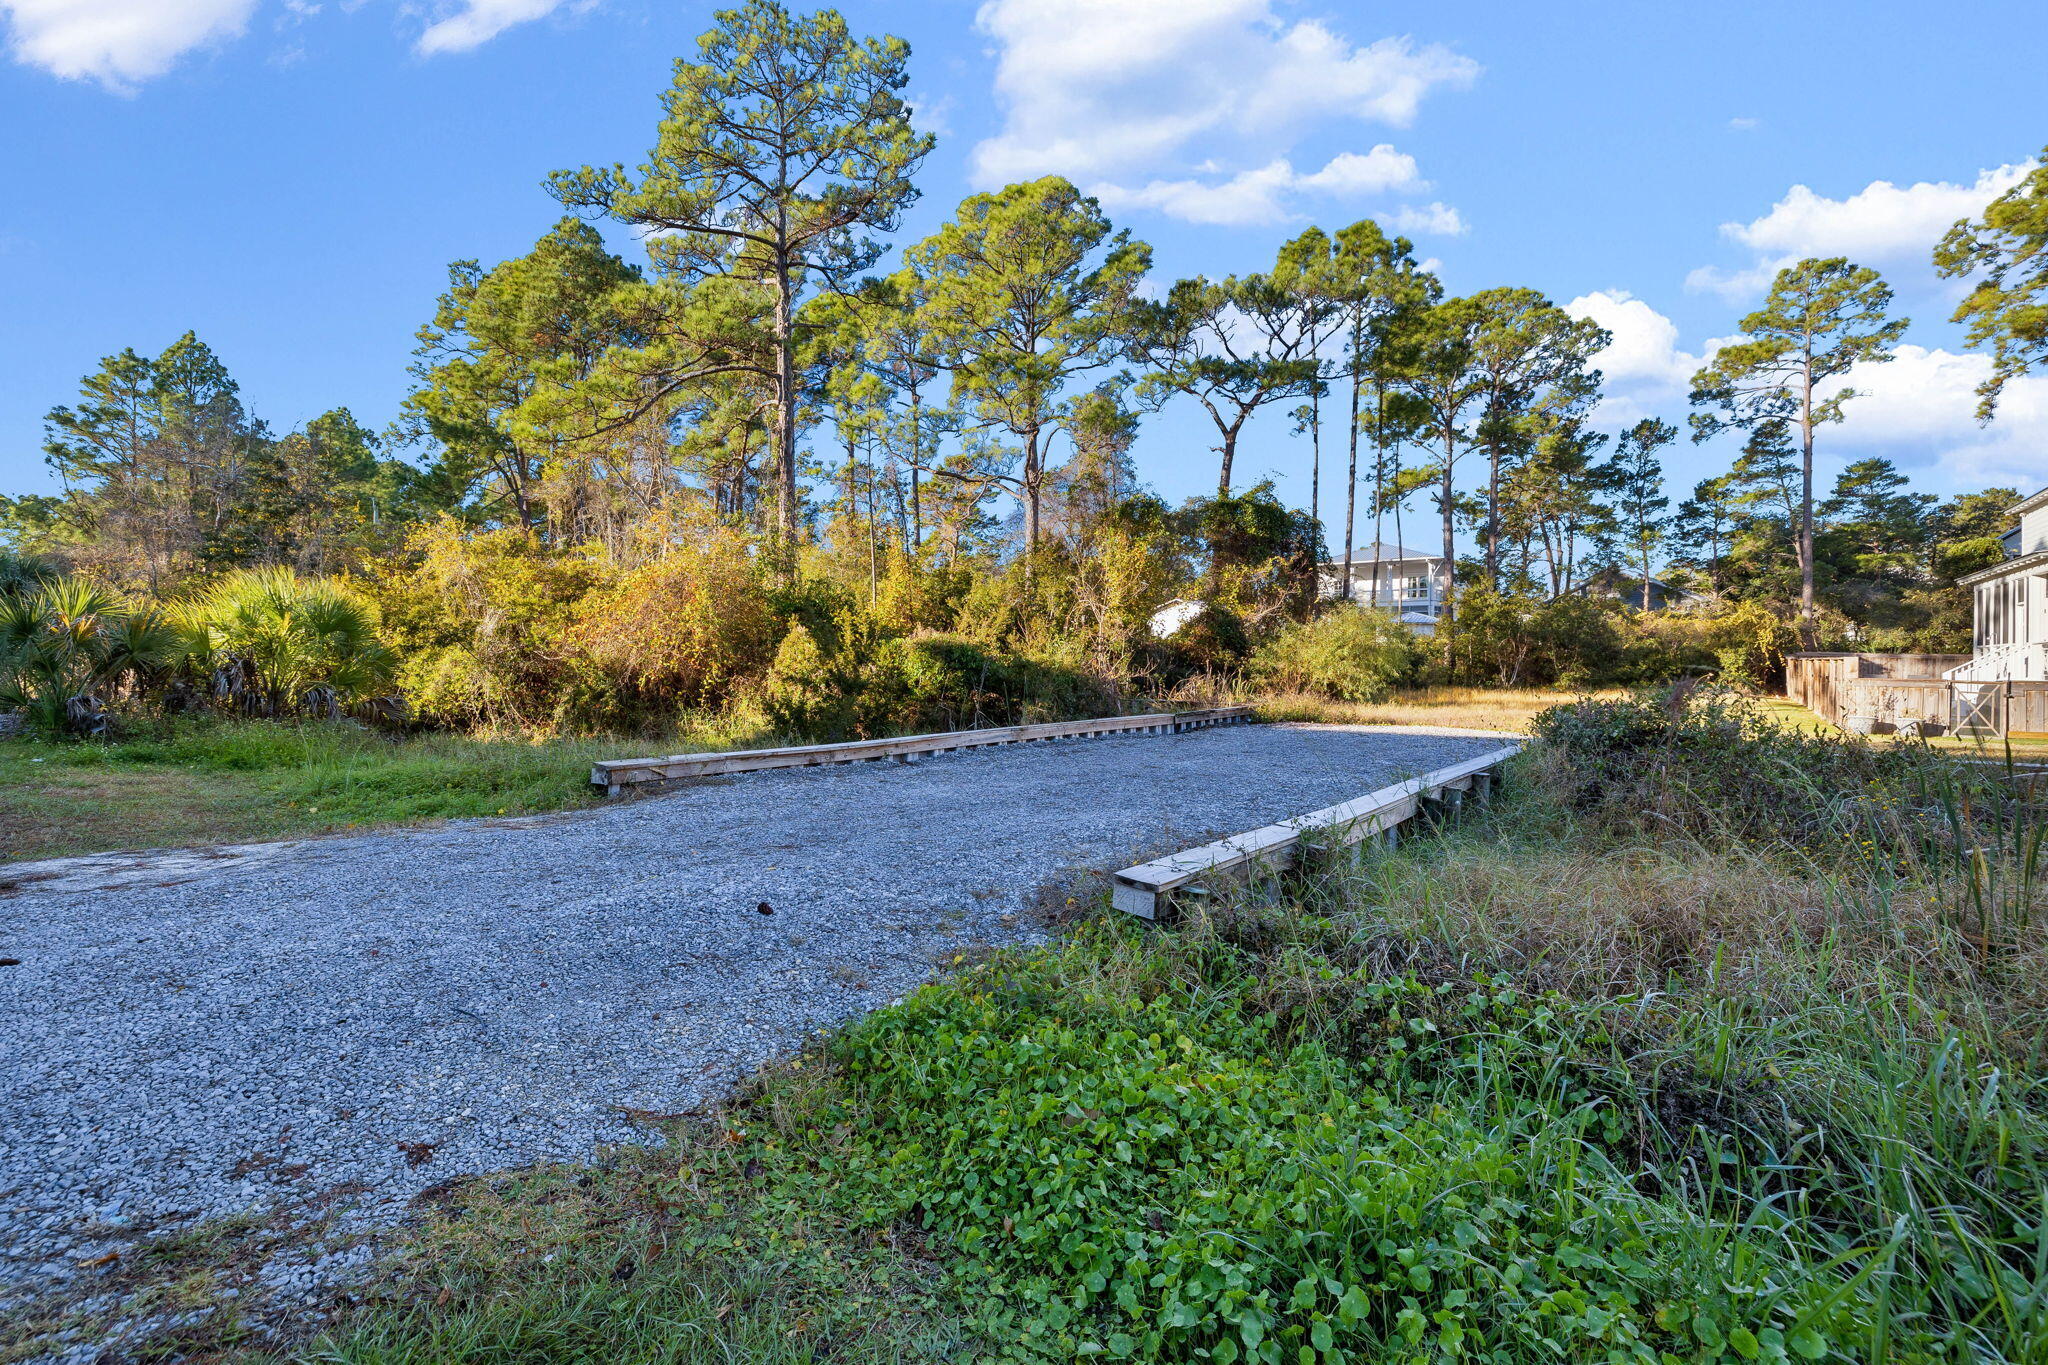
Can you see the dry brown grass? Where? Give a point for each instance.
(1560, 901)
(1467, 708)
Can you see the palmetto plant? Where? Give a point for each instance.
(66, 642)
(274, 643)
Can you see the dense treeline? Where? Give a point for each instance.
(775, 463)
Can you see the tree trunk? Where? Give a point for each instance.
(1449, 614)
(874, 568)
(1031, 483)
(1807, 631)
(785, 417)
(1315, 453)
(1379, 483)
(1493, 515)
(1351, 477)
(916, 464)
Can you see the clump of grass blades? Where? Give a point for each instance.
(657, 1255)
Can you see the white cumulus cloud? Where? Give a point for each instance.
(123, 43)
(1265, 195)
(1920, 410)
(1644, 349)
(476, 22)
(1193, 106)
(1881, 224)
(1432, 219)
(1645, 371)
(119, 43)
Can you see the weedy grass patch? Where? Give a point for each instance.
(201, 780)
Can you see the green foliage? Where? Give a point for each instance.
(21, 572)
(1233, 345)
(484, 624)
(613, 522)
(684, 632)
(2007, 250)
(1026, 288)
(1352, 653)
(1215, 642)
(1710, 764)
(65, 642)
(1514, 639)
(275, 643)
(779, 149)
(1821, 319)
(491, 367)
(807, 690)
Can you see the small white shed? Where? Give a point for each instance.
(1172, 617)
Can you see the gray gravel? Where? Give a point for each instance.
(342, 1022)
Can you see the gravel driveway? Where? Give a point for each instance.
(345, 1021)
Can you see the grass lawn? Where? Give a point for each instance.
(2025, 748)
(228, 782)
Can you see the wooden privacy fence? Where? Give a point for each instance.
(1893, 690)
(1143, 890)
(616, 774)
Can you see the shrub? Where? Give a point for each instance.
(807, 692)
(66, 642)
(949, 682)
(1353, 653)
(1703, 762)
(682, 632)
(1518, 639)
(1214, 642)
(275, 643)
(484, 624)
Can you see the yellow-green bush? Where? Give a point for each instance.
(484, 623)
(683, 632)
(1353, 653)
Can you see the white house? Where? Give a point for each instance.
(1411, 583)
(2010, 640)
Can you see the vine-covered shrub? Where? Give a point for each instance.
(683, 632)
(1353, 653)
(484, 624)
(875, 687)
(1705, 762)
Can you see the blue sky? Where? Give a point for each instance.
(290, 179)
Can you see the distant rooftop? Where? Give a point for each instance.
(1384, 550)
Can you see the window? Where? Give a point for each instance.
(1416, 585)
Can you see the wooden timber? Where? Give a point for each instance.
(1141, 890)
(614, 775)
(1184, 721)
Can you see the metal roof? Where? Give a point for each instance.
(2038, 559)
